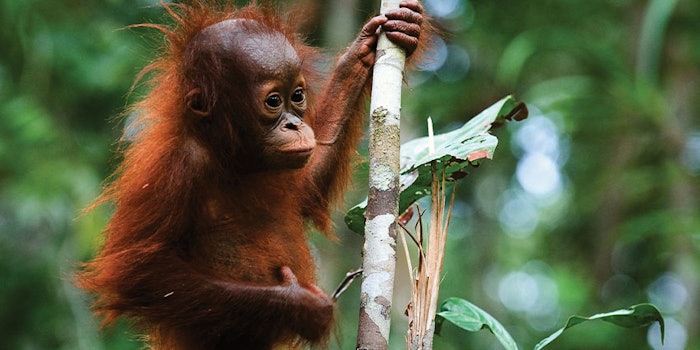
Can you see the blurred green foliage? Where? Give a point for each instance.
(591, 204)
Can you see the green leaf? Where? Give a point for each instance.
(454, 151)
(636, 316)
(468, 316)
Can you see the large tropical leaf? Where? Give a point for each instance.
(636, 316)
(469, 317)
(454, 151)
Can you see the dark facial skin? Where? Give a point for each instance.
(271, 66)
(280, 100)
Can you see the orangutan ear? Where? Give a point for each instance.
(196, 104)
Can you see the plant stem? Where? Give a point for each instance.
(379, 251)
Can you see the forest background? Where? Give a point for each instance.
(591, 204)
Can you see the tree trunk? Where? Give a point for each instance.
(379, 251)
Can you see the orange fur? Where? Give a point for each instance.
(197, 251)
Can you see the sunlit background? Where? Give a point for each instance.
(589, 205)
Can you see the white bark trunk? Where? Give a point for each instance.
(379, 251)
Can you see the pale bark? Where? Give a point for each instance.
(379, 251)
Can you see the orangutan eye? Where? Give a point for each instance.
(298, 96)
(273, 101)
